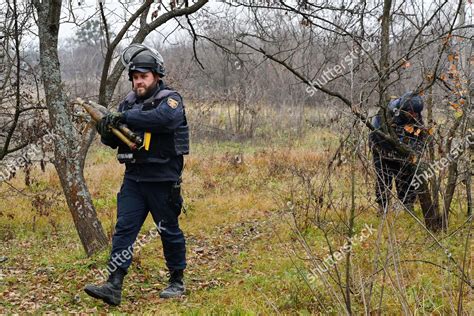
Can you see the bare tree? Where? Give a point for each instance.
(70, 147)
(21, 113)
(67, 145)
(330, 75)
(16, 97)
(374, 49)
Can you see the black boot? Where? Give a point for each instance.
(111, 291)
(176, 287)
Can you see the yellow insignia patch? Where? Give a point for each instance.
(172, 103)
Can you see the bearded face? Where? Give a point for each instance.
(144, 82)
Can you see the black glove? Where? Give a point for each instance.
(107, 137)
(114, 118)
(103, 128)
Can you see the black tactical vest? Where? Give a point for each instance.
(163, 145)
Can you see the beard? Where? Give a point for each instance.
(141, 91)
(144, 90)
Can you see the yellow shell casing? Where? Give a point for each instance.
(147, 140)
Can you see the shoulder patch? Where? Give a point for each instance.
(172, 103)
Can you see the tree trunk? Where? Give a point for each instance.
(469, 192)
(429, 196)
(383, 66)
(450, 188)
(67, 161)
(433, 220)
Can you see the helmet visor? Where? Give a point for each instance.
(140, 69)
(134, 50)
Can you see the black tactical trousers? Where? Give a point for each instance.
(134, 201)
(389, 169)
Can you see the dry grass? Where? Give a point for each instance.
(244, 254)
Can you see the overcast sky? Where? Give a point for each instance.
(115, 14)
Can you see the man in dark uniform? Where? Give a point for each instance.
(406, 119)
(152, 174)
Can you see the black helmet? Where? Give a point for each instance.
(411, 102)
(138, 57)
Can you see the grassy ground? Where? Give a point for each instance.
(244, 255)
